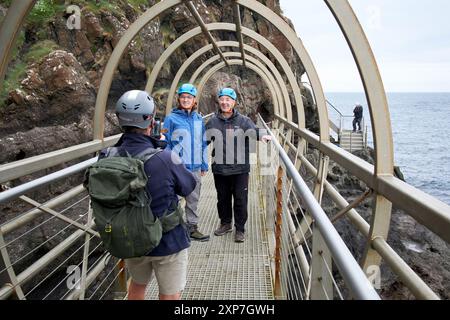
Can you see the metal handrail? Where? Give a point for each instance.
(18, 191)
(351, 272)
(405, 273)
(336, 109)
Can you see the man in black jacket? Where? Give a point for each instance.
(358, 114)
(233, 136)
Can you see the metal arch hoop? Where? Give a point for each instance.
(250, 33)
(250, 65)
(231, 27)
(276, 95)
(207, 48)
(10, 29)
(113, 62)
(277, 75)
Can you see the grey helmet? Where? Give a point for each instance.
(135, 108)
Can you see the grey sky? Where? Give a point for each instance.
(410, 40)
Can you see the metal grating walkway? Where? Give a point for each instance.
(221, 269)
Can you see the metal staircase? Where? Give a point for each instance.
(352, 141)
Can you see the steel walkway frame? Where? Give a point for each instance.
(387, 189)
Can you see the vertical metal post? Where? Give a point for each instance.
(205, 30)
(379, 228)
(286, 146)
(321, 281)
(277, 284)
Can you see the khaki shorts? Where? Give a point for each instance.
(170, 271)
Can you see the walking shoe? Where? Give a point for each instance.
(223, 229)
(197, 235)
(239, 237)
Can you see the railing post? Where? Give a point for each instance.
(321, 281)
(278, 236)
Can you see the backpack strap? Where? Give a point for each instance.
(147, 154)
(144, 156)
(116, 152)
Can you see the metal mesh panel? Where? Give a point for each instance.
(220, 268)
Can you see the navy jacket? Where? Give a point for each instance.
(185, 135)
(168, 178)
(233, 139)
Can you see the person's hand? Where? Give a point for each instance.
(203, 173)
(266, 138)
(162, 137)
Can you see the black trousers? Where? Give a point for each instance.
(357, 121)
(229, 189)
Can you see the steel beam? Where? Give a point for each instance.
(190, 5)
(237, 19)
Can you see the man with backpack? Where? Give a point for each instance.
(166, 178)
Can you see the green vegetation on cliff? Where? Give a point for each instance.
(18, 71)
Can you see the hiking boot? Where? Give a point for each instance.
(197, 235)
(223, 229)
(239, 237)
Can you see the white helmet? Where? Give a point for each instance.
(135, 108)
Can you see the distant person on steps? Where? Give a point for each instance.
(358, 115)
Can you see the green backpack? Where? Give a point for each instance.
(121, 205)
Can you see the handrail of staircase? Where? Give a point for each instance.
(335, 108)
(349, 268)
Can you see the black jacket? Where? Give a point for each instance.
(358, 112)
(233, 140)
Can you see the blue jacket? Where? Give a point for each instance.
(186, 135)
(168, 178)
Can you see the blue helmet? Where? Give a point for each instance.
(228, 92)
(188, 88)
